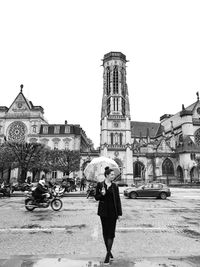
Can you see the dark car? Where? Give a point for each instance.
(157, 190)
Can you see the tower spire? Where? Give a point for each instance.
(197, 93)
(115, 113)
(115, 92)
(21, 86)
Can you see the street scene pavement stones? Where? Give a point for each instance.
(151, 232)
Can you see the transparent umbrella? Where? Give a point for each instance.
(94, 171)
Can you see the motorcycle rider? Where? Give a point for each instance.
(39, 192)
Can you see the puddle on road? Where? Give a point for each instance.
(49, 262)
(178, 210)
(64, 262)
(191, 233)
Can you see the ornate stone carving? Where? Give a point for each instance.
(17, 132)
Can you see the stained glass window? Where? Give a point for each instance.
(17, 131)
(167, 167)
(197, 137)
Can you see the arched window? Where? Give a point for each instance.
(120, 138)
(111, 138)
(180, 174)
(115, 103)
(194, 175)
(108, 106)
(197, 137)
(54, 174)
(55, 146)
(167, 168)
(108, 81)
(123, 83)
(116, 138)
(123, 107)
(115, 80)
(138, 169)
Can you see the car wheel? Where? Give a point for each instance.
(133, 195)
(163, 195)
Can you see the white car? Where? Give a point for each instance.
(123, 186)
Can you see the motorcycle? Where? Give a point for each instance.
(21, 187)
(91, 190)
(69, 185)
(5, 190)
(58, 191)
(51, 199)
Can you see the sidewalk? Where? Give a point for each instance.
(61, 261)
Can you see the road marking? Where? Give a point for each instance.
(7, 230)
(120, 229)
(192, 196)
(94, 233)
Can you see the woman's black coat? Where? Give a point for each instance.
(103, 205)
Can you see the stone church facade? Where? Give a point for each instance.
(25, 122)
(167, 151)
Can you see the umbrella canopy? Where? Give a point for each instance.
(94, 171)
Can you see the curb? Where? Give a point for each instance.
(72, 194)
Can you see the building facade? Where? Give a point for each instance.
(25, 122)
(167, 151)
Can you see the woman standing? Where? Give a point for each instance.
(109, 209)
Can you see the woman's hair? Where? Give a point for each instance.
(107, 171)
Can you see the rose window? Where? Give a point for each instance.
(197, 137)
(17, 132)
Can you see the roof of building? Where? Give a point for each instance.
(59, 129)
(23, 98)
(142, 129)
(114, 55)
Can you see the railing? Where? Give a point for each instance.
(115, 117)
(117, 146)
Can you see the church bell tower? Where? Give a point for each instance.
(115, 121)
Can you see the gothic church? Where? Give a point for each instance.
(167, 151)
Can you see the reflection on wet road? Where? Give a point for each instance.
(150, 233)
(64, 262)
(48, 262)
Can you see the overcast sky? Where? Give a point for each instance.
(55, 49)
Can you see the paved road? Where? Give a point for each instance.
(150, 232)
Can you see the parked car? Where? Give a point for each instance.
(157, 190)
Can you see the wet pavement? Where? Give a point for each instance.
(151, 233)
(61, 261)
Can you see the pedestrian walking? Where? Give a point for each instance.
(109, 209)
(82, 184)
